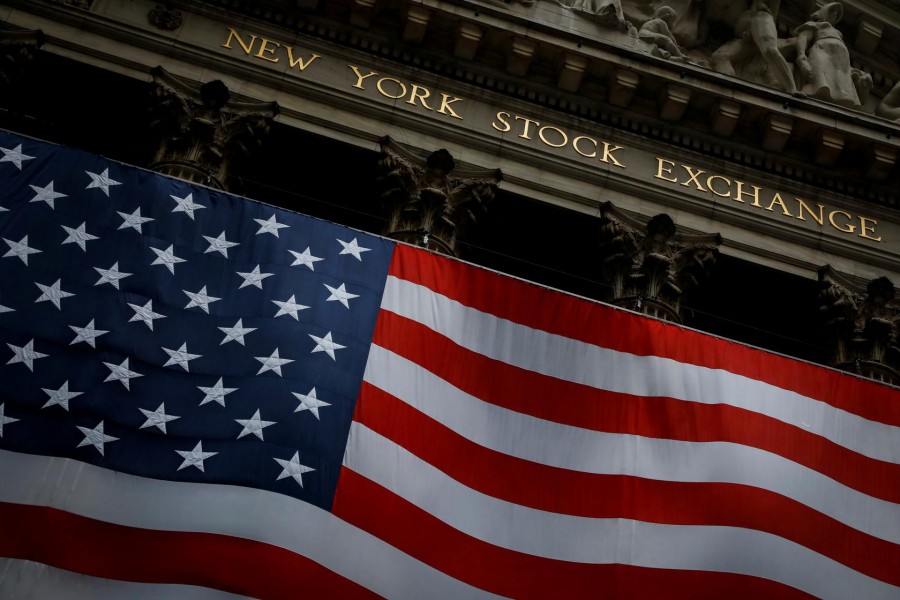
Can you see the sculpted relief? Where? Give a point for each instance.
(740, 38)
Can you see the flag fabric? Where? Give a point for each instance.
(202, 396)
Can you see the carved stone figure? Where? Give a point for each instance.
(648, 265)
(889, 107)
(862, 323)
(608, 12)
(657, 31)
(756, 33)
(430, 202)
(823, 59)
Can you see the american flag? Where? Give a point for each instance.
(202, 396)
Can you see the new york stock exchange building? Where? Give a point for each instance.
(723, 168)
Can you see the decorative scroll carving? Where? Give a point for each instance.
(165, 17)
(203, 131)
(861, 321)
(431, 202)
(16, 49)
(649, 265)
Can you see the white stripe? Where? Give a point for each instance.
(589, 451)
(602, 541)
(27, 580)
(264, 516)
(606, 369)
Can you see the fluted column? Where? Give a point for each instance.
(860, 320)
(428, 200)
(649, 265)
(202, 130)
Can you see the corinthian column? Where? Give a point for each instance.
(860, 320)
(429, 201)
(202, 131)
(650, 265)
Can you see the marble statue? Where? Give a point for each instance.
(823, 60)
(889, 107)
(658, 33)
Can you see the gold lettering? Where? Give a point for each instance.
(740, 192)
(399, 83)
(849, 228)
(565, 138)
(502, 120)
(584, 137)
(863, 228)
(608, 155)
(776, 199)
(446, 109)
(667, 170)
(299, 62)
(248, 48)
(802, 205)
(360, 77)
(415, 95)
(693, 178)
(528, 122)
(709, 184)
(264, 48)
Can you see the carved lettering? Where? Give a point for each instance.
(669, 165)
(802, 205)
(712, 188)
(847, 227)
(739, 193)
(693, 178)
(420, 94)
(579, 151)
(776, 199)
(863, 228)
(299, 62)
(608, 157)
(446, 109)
(360, 77)
(502, 116)
(400, 86)
(265, 49)
(234, 35)
(528, 123)
(560, 132)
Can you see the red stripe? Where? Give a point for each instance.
(101, 549)
(506, 572)
(611, 496)
(583, 406)
(602, 325)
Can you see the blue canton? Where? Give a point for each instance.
(166, 330)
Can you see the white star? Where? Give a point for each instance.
(121, 373)
(236, 333)
(253, 425)
(24, 354)
(272, 363)
(195, 457)
(53, 293)
(134, 220)
(167, 257)
(339, 294)
(270, 225)
(293, 468)
(157, 417)
(95, 437)
(4, 309)
(102, 181)
(78, 236)
(304, 258)
(145, 313)
(111, 275)
(3, 209)
(324, 344)
(46, 194)
(86, 334)
(353, 248)
(289, 307)
(186, 205)
(254, 277)
(215, 393)
(180, 357)
(219, 244)
(310, 402)
(4, 420)
(200, 299)
(60, 396)
(14, 156)
(20, 249)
